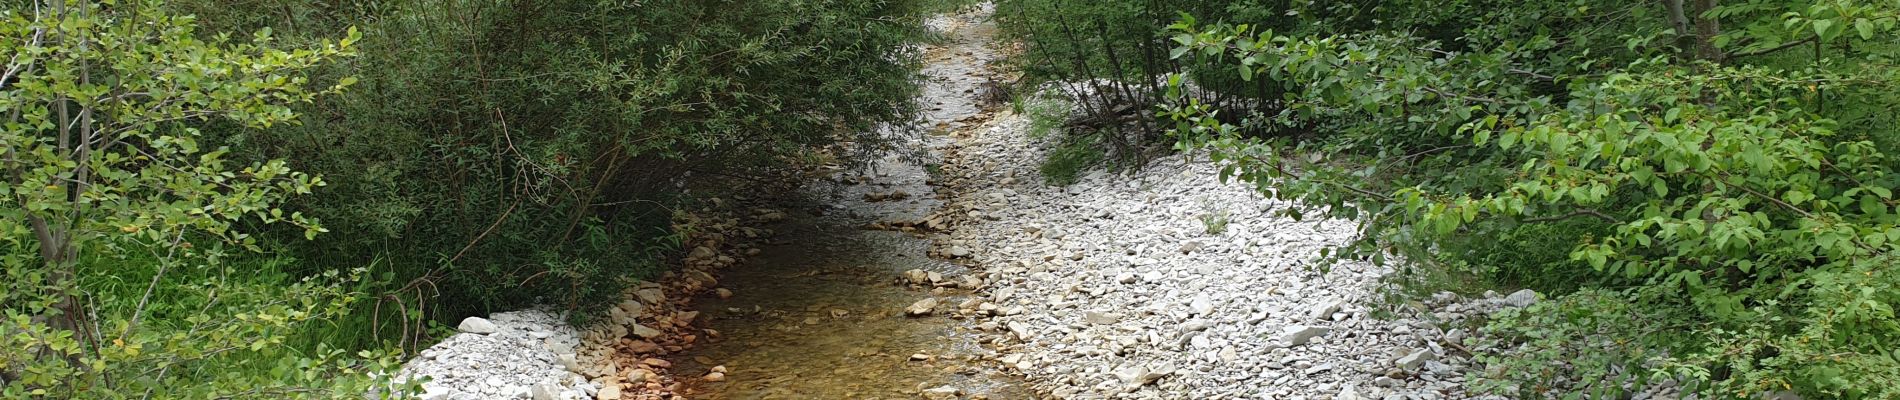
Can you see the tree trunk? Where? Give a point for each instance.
(1706, 28)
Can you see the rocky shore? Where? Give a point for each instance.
(1167, 283)
(536, 355)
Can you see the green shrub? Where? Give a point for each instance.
(120, 216)
(503, 153)
(1065, 163)
(1741, 187)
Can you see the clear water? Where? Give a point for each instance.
(819, 315)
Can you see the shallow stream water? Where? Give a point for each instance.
(818, 313)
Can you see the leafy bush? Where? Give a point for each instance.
(112, 197)
(505, 153)
(1733, 181)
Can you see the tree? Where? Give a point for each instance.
(97, 146)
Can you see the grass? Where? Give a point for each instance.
(1064, 164)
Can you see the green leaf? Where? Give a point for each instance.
(1865, 27)
(1881, 191)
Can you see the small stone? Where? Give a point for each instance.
(1349, 393)
(723, 293)
(1325, 309)
(715, 377)
(1201, 305)
(920, 357)
(701, 252)
(638, 375)
(1101, 318)
(1126, 278)
(1417, 358)
(1300, 334)
(972, 282)
(476, 325)
(942, 393)
(651, 296)
(1196, 325)
(1011, 359)
(959, 251)
(611, 392)
(921, 307)
(543, 391)
(1131, 375)
(645, 332)
(1521, 298)
(1191, 247)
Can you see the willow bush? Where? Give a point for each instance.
(508, 153)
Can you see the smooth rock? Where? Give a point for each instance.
(921, 307)
(477, 325)
(645, 332)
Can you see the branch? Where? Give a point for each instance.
(1573, 214)
(1783, 46)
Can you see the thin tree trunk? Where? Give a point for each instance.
(1706, 28)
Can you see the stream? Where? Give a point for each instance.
(819, 313)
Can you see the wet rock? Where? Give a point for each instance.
(921, 307)
(959, 251)
(942, 393)
(971, 282)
